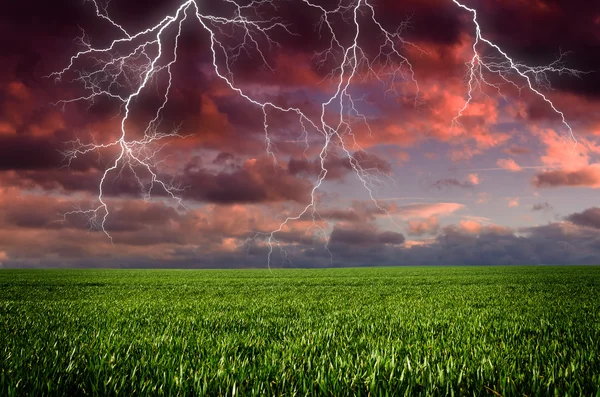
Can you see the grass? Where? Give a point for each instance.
(377, 331)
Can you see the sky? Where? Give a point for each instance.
(299, 133)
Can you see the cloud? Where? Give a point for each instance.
(451, 182)
(361, 211)
(517, 150)
(250, 181)
(448, 183)
(347, 215)
(509, 164)
(420, 228)
(427, 210)
(537, 47)
(338, 167)
(239, 188)
(590, 217)
(473, 179)
(556, 243)
(587, 176)
(574, 161)
(482, 198)
(542, 207)
(155, 235)
(23, 152)
(256, 180)
(470, 226)
(365, 236)
(513, 202)
(561, 152)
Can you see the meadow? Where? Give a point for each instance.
(497, 331)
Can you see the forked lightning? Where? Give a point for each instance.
(134, 62)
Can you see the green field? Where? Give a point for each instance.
(377, 331)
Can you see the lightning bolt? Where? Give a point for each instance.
(133, 62)
(535, 77)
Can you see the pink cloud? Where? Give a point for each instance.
(509, 164)
(428, 210)
(473, 179)
(513, 202)
(471, 227)
(428, 226)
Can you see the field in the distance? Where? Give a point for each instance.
(391, 331)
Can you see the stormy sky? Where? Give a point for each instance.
(503, 184)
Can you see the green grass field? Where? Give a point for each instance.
(378, 331)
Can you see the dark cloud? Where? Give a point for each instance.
(431, 21)
(22, 152)
(257, 180)
(252, 181)
(364, 236)
(553, 244)
(361, 212)
(135, 216)
(589, 217)
(65, 180)
(223, 158)
(587, 177)
(390, 237)
(532, 36)
(338, 167)
(371, 162)
(348, 215)
(542, 207)
(154, 235)
(45, 40)
(517, 150)
(452, 182)
(557, 244)
(39, 37)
